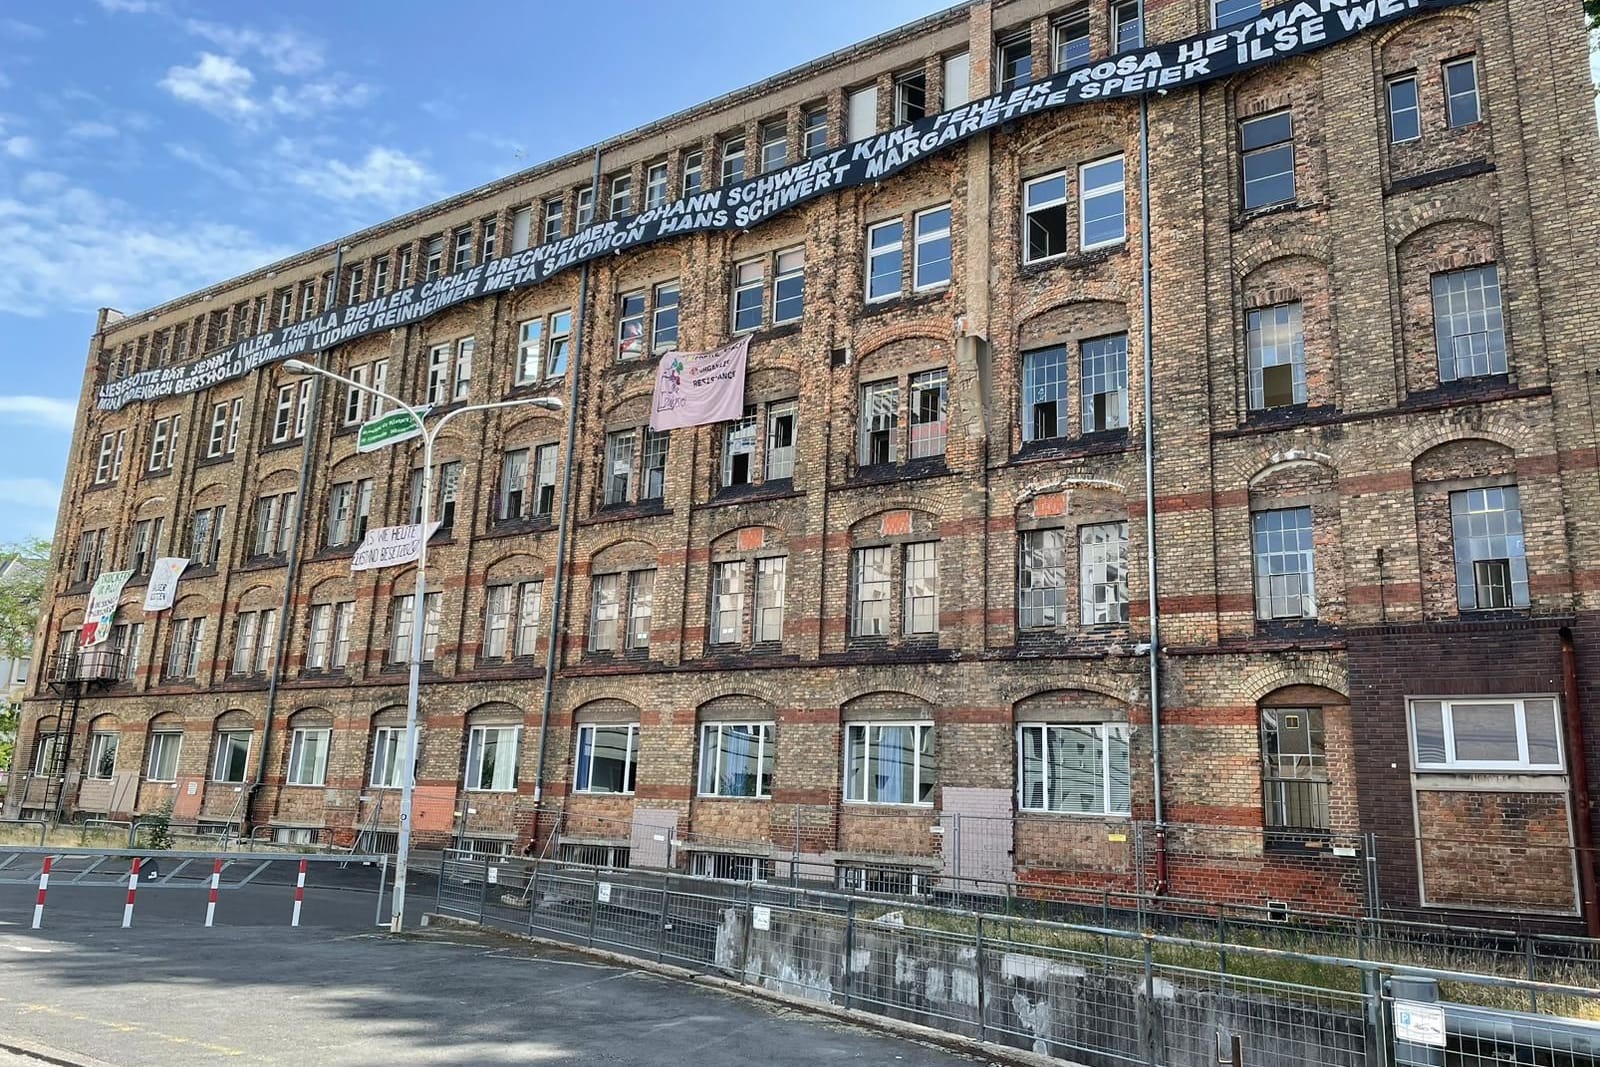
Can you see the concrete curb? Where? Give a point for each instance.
(45, 1054)
(999, 1054)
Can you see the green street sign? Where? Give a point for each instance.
(386, 430)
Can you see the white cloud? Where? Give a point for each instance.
(19, 147)
(22, 31)
(129, 7)
(311, 97)
(39, 411)
(202, 160)
(386, 178)
(92, 131)
(286, 51)
(35, 494)
(217, 84)
(73, 249)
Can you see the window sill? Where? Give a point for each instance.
(1102, 442)
(1083, 257)
(263, 563)
(1289, 415)
(718, 797)
(622, 512)
(908, 471)
(215, 461)
(542, 387)
(512, 527)
(282, 446)
(1484, 387)
(1413, 182)
(153, 476)
(599, 793)
(1282, 840)
(1266, 211)
(908, 806)
(1119, 816)
(748, 494)
(905, 300)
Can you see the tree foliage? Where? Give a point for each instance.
(26, 565)
(1591, 8)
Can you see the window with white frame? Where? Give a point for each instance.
(358, 284)
(511, 623)
(607, 758)
(461, 256)
(127, 638)
(380, 277)
(774, 137)
(1486, 733)
(488, 237)
(290, 411)
(585, 202)
(1041, 579)
(630, 325)
(145, 545)
(779, 460)
(162, 765)
(655, 184)
(355, 400)
(879, 423)
(1285, 557)
(254, 635)
(1231, 12)
(106, 467)
(1069, 41)
(1468, 323)
(619, 470)
(1104, 380)
(749, 285)
(446, 487)
(931, 254)
(1073, 769)
(223, 437)
(920, 603)
(1127, 25)
(605, 605)
(164, 435)
(205, 535)
(1266, 145)
(1044, 393)
(885, 257)
(380, 382)
(727, 602)
(740, 463)
(554, 219)
(512, 502)
(433, 258)
(308, 755)
(861, 113)
(542, 345)
(1013, 62)
(1044, 217)
(732, 160)
(102, 762)
(450, 370)
(736, 759)
(1103, 573)
(1491, 560)
(664, 316)
(766, 622)
(694, 171)
(621, 196)
(1461, 103)
(319, 642)
(889, 762)
(1405, 111)
(492, 759)
(1102, 203)
(308, 299)
(814, 132)
(349, 510)
(90, 555)
(641, 608)
(544, 479)
(872, 586)
(274, 526)
(403, 618)
(231, 760)
(1275, 349)
(388, 757)
(910, 96)
(403, 270)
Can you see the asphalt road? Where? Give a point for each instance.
(167, 993)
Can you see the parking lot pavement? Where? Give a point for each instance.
(165, 994)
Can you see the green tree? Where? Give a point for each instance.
(24, 566)
(1592, 9)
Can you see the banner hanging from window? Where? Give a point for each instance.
(162, 592)
(102, 608)
(1284, 31)
(699, 388)
(389, 546)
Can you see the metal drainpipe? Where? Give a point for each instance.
(292, 565)
(566, 511)
(1150, 498)
(1578, 759)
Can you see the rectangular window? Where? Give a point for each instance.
(1070, 41)
(1044, 217)
(920, 614)
(1101, 203)
(1285, 553)
(163, 763)
(463, 377)
(1267, 147)
(102, 466)
(1127, 25)
(355, 400)
(1405, 114)
(873, 587)
(1073, 770)
(91, 544)
(513, 485)
(343, 613)
(308, 300)
(1041, 579)
(1103, 573)
(1487, 734)
(653, 485)
(102, 762)
(910, 96)
(885, 243)
(380, 277)
(664, 317)
(1294, 770)
(285, 315)
(1014, 62)
(274, 525)
(603, 613)
(544, 479)
(492, 759)
(1105, 383)
(461, 254)
(880, 422)
(283, 412)
(358, 279)
(641, 607)
(497, 621)
(320, 641)
(1276, 352)
(749, 280)
(607, 758)
(308, 756)
(774, 146)
(630, 325)
(205, 535)
(560, 344)
(694, 167)
(781, 416)
(248, 635)
(380, 382)
(815, 132)
(403, 271)
(732, 160)
(931, 257)
(929, 408)
(388, 755)
(217, 438)
(1468, 323)
(1461, 92)
(655, 185)
(739, 450)
(1491, 564)
(438, 373)
(789, 286)
(231, 761)
(767, 622)
(619, 467)
(621, 195)
(957, 80)
(736, 759)
(889, 763)
(404, 617)
(433, 258)
(521, 228)
(554, 222)
(585, 206)
(1044, 394)
(861, 113)
(1230, 12)
(145, 545)
(727, 602)
(489, 229)
(530, 352)
(530, 603)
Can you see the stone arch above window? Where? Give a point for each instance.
(747, 539)
(1453, 327)
(736, 707)
(260, 598)
(282, 480)
(1288, 339)
(1069, 706)
(894, 524)
(1071, 322)
(1301, 696)
(1423, 131)
(393, 716)
(234, 719)
(311, 719)
(623, 555)
(606, 709)
(495, 713)
(886, 705)
(1472, 555)
(515, 565)
(1465, 458)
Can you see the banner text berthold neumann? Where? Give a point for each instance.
(1287, 30)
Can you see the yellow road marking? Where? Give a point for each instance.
(124, 1028)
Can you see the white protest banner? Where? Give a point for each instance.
(162, 592)
(102, 607)
(699, 388)
(389, 546)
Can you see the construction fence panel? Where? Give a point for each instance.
(463, 883)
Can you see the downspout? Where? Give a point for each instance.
(1578, 760)
(563, 524)
(292, 564)
(1150, 499)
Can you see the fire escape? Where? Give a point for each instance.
(70, 676)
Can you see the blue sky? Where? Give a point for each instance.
(152, 147)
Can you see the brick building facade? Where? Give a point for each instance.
(896, 621)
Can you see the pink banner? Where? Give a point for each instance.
(698, 388)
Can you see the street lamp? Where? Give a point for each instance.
(418, 600)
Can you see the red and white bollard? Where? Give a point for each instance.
(44, 883)
(211, 901)
(133, 885)
(299, 893)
